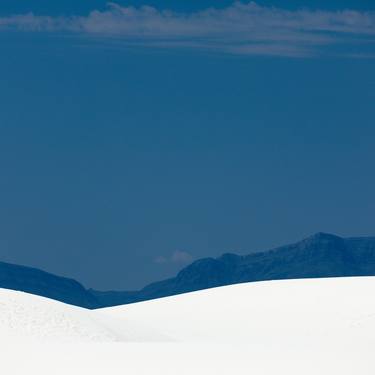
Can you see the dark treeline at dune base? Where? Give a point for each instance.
(321, 255)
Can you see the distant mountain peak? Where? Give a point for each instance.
(325, 235)
(319, 255)
(322, 236)
(229, 257)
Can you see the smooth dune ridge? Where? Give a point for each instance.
(310, 309)
(310, 326)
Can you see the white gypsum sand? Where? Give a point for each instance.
(293, 327)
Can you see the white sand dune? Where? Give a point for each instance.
(320, 326)
(277, 311)
(27, 317)
(32, 318)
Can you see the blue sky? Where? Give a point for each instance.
(134, 141)
(59, 7)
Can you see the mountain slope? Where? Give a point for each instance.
(35, 281)
(321, 255)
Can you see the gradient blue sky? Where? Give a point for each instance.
(127, 151)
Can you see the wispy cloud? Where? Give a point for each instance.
(242, 28)
(177, 257)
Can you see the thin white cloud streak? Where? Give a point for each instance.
(177, 257)
(243, 28)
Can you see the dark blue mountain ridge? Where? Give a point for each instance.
(35, 281)
(320, 255)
